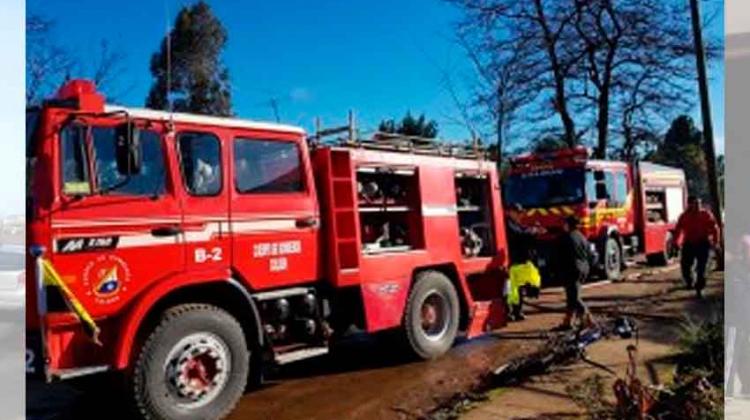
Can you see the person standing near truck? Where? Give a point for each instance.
(698, 233)
(573, 265)
(524, 280)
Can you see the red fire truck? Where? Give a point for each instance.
(626, 209)
(202, 246)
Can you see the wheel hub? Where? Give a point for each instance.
(613, 257)
(197, 368)
(434, 316)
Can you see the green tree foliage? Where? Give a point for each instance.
(683, 148)
(549, 143)
(411, 126)
(199, 80)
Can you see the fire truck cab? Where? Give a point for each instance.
(204, 246)
(625, 209)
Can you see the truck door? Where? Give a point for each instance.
(205, 201)
(274, 212)
(113, 234)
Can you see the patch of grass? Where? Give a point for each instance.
(697, 389)
(459, 404)
(591, 395)
(497, 392)
(702, 349)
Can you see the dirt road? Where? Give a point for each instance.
(580, 389)
(367, 378)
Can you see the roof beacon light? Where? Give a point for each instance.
(83, 93)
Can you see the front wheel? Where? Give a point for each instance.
(193, 365)
(612, 259)
(432, 315)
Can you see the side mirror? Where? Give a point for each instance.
(128, 149)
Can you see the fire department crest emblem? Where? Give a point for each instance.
(106, 279)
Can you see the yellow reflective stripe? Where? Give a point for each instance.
(52, 278)
(558, 211)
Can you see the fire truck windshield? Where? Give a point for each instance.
(545, 188)
(32, 120)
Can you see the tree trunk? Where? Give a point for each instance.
(561, 104)
(602, 123)
(708, 144)
(562, 108)
(500, 126)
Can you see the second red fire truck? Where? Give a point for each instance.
(626, 209)
(202, 247)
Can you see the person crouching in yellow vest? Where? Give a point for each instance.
(524, 279)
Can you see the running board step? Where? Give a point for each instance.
(296, 355)
(64, 374)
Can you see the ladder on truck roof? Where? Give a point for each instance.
(347, 136)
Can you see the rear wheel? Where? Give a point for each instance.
(667, 256)
(194, 364)
(432, 315)
(612, 259)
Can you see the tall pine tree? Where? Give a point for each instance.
(199, 80)
(411, 126)
(683, 148)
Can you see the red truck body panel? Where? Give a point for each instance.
(385, 277)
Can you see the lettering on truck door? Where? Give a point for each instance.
(105, 224)
(275, 223)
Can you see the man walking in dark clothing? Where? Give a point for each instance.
(574, 256)
(521, 239)
(698, 232)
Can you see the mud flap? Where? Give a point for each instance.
(487, 315)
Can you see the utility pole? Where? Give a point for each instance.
(275, 106)
(500, 127)
(708, 129)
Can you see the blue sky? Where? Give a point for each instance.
(316, 58)
(12, 188)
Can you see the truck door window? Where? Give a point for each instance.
(599, 186)
(150, 181)
(621, 197)
(591, 188)
(609, 180)
(75, 170)
(200, 159)
(262, 166)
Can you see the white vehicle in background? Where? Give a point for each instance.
(12, 262)
(12, 276)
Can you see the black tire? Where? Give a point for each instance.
(156, 397)
(431, 289)
(612, 259)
